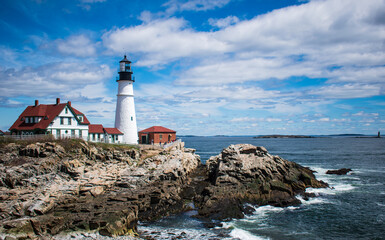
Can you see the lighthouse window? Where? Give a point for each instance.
(132, 118)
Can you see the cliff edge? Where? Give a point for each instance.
(71, 185)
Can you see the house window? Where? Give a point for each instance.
(66, 110)
(80, 133)
(61, 121)
(80, 119)
(160, 136)
(27, 120)
(72, 133)
(69, 121)
(93, 136)
(116, 137)
(57, 133)
(98, 136)
(66, 131)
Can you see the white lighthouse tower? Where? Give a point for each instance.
(125, 117)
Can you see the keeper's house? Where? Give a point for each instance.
(62, 121)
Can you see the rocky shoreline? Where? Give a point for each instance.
(49, 188)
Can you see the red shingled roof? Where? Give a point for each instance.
(48, 114)
(85, 120)
(157, 129)
(113, 131)
(95, 128)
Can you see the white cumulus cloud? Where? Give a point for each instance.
(194, 5)
(53, 79)
(79, 45)
(223, 22)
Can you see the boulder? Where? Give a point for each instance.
(342, 171)
(245, 173)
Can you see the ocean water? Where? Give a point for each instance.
(353, 208)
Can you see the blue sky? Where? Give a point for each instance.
(203, 67)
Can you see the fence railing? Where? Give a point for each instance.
(40, 136)
(27, 137)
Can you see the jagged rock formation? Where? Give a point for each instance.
(245, 173)
(342, 171)
(46, 188)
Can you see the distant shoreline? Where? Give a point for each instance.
(284, 136)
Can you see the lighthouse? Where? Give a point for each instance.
(125, 117)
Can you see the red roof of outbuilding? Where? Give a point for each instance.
(113, 131)
(158, 129)
(48, 114)
(95, 128)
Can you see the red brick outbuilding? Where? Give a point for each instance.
(156, 134)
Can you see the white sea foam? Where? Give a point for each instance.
(321, 191)
(293, 208)
(317, 200)
(334, 189)
(320, 174)
(171, 233)
(262, 210)
(343, 187)
(227, 225)
(337, 183)
(245, 235)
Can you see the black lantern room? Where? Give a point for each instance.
(125, 72)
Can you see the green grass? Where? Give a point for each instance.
(67, 143)
(107, 146)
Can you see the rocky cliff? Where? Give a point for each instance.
(50, 187)
(245, 173)
(47, 188)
